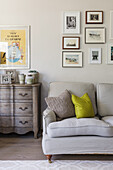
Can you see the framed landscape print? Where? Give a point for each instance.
(110, 54)
(95, 56)
(94, 35)
(71, 43)
(71, 22)
(14, 47)
(71, 59)
(111, 24)
(94, 17)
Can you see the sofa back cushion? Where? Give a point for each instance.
(77, 88)
(105, 99)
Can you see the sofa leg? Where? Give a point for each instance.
(49, 158)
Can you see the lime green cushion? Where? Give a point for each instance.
(83, 106)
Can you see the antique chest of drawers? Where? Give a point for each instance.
(20, 108)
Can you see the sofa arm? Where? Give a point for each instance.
(48, 117)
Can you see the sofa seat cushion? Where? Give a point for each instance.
(83, 126)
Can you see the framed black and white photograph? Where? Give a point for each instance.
(95, 56)
(11, 72)
(71, 22)
(94, 35)
(110, 54)
(111, 24)
(70, 43)
(71, 59)
(94, 17)
(5, 79)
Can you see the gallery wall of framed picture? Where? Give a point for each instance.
(94, 37)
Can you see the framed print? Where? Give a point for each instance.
(71, 59)
(110, 54)
(17, 47)
(5, 79)
(94, 35)
(95, 56)
(12, 73)
(111, 24)
(71, 22)
(94, 17)
(70, 43)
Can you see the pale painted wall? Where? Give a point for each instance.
(45, 18)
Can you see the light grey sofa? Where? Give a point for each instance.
(80, 136)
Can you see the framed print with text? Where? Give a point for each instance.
(71, 59)
(71, 43)
(15, 53)
(94, 35)
(71, 22)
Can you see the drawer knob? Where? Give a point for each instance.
(23, 109)
(23, 95)
(23, 123)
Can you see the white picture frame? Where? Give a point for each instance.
(71, 59)
(110, 54)
(111, 25)
(5, 79)
(12, 72)
(94, 35)
(95, 56)
(71, 22)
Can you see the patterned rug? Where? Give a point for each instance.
(56, 165)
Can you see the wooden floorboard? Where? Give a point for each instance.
(25, 147)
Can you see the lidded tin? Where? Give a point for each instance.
(30, 79)
(35, 75)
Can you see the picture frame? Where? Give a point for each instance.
(94, 35)
(111, 24)
(95, 56)
(110, 54)
(17, 47)
(71, 59)
(71, 43)
(71, 22)
(11, 72)
(5, 79)
(94, 17)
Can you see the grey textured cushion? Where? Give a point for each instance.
(83, 126)
(105, 99)
(61, 105)
(77, 88)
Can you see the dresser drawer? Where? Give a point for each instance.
(23, 94)
(6, 121)
(5, 93)
(23, 108)
(24, 122)
(6, 109)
